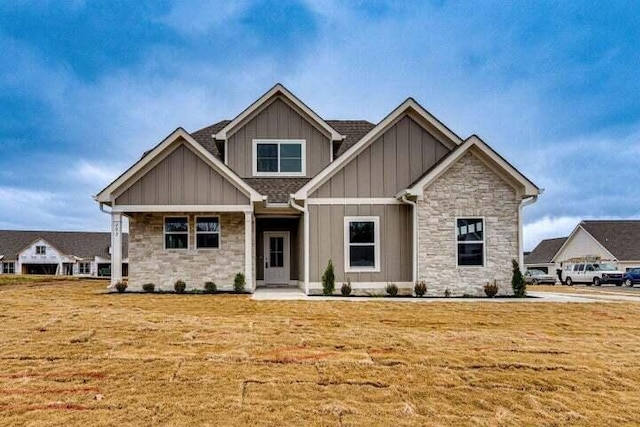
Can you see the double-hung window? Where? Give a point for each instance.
(176, 232)
(470, 241)
(84, 268)
(279, 157)
(8, 267)
(362, 244)
(207, 232)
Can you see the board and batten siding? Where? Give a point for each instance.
(277, 121)
(182, 178)
(391, 163)
(326, 240)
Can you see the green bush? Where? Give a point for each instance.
(392, 289)
(517, 281)
(210, 287)
(345, 290)
(239, 283)
(328, 280)
(420, 288)
(121, 287)
(491, 289)
(179, 286)
(148, 287)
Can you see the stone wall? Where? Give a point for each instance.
(468, 188)
(149, 262)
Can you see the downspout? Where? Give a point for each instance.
(414, 215)
(525, 202)
(305, 212)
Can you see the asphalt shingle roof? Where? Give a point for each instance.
(621, 237)
(82, 244)
(353, 130)
(545, 251)
(277, 190)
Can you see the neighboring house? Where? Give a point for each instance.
(541, 258)
(617, 241)
(69, 253)
(278, 191)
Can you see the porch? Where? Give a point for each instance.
(279, 251)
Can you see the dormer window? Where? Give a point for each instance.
(275, 157)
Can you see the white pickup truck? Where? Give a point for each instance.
(596, 273)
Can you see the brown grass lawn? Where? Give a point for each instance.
(71, 356)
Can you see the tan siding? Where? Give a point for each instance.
(326, 241)
(182, 178)
(391, 163)
(277, 121)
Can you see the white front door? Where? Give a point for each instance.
(276, 258)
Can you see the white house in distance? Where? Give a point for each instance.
(615, 241)
(68, 253)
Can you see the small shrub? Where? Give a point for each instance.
(148, 287)
(345, 290)
(328, 280)
(491, 289)
(121, 287)
(179, 286)
(447, 293)
(517, 281)
(420, 289)
(392, 289)
(239, 283)
(210, 287)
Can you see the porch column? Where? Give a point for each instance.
(248, 249)
(116, 247)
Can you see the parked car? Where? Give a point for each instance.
(631, 277)
(592, 273)
(536, 277)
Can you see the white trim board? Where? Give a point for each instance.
(257, 106)
(182, 208)
(530, 189)
(355, 201)
(107, 194)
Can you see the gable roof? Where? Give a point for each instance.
(415, 189)
(261, 102)
(620, 237)
(82, 244)
(410, 106)
(105, 196)
(545, 251)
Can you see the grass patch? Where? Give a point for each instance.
(71, 355)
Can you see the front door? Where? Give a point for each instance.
(276, 258)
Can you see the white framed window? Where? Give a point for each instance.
(362, 244)
(8, 267)
(41, 250)
(84, 268)
(279, 157)
(176, 232)
(207, 232)
(470, 242)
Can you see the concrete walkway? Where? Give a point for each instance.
(295, 294)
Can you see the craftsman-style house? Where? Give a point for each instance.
(278, 191)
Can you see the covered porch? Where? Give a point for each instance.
(279, 245)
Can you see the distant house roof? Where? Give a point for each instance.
(82, 244)
(620, 237)
(545, 251)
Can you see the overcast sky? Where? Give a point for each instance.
(87, 86)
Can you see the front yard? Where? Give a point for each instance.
(71, 356)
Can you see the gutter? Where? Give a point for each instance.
(414, 217)
(525, 202)
(305, 212)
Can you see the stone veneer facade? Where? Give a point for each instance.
(468, 189)
(149, 262)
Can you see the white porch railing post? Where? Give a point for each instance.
(116, 247)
